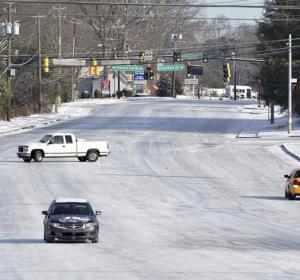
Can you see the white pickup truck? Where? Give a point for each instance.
(63, 145)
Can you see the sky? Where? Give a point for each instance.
(243, 13)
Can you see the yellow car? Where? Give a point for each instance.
(292, 187)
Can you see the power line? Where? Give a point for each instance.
(179, 5)
(157, 17)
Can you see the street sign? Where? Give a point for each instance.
(191, 56)
(115, 62)
(139, 75)
(128, 68)
(191, 81)
(148, 55)
(170, 67)
(69, 61)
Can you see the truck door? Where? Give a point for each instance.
(55, 147)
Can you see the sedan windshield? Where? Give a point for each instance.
(72, 208)
(45, 139)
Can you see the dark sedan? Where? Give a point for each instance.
(71, 219)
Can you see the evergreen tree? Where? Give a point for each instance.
(273, 33)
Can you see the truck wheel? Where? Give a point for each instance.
(38, 156)
(27, 159)
(82, 158)
(92, 156)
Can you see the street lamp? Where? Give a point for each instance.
(118, 26)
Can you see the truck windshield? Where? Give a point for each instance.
(72, 208)
(45, 139)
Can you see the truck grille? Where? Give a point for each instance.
(72, 225)
(20, 149)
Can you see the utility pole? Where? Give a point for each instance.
(173, 73)
(118, 38)
(290, 87)
(59, 31)
(57, 97)
(73, 55)
(40, 66)
(8, 115)
(234, 69)
(57, 102)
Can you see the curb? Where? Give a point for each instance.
(289, 153)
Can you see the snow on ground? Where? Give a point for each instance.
(179, 199)
(258, 128)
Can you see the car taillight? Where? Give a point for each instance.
(296, 183)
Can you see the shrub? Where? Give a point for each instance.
(85, 94)
(97, 93)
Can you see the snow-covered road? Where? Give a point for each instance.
(181, 197)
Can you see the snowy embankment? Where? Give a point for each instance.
(66, 111)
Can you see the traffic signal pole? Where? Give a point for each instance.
(40, 65)
(173, 78)
(234, 81)
(173, 74)
(8, 115)
(290, 87)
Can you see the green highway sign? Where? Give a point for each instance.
(170, 67)
(129, 68)
(191, 56)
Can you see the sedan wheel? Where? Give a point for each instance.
(95, 240)
(46, 238)
(290, 196)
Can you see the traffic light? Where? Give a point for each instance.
(94, 69)
(114, 54)
(142, 58)
(176, 56)
(226, 72)
(189, 71)
(149, 73)
(204, 57)
(46, 64)
(294, 87)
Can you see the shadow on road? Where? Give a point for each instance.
(37, 241)
(264, 197)
(44, 161)
(21, 241)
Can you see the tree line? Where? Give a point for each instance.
(110, 31)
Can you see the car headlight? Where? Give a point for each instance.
(89, 225)
(56, 225)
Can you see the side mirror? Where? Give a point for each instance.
(286, 176)
(45, 213)
(98, 212)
